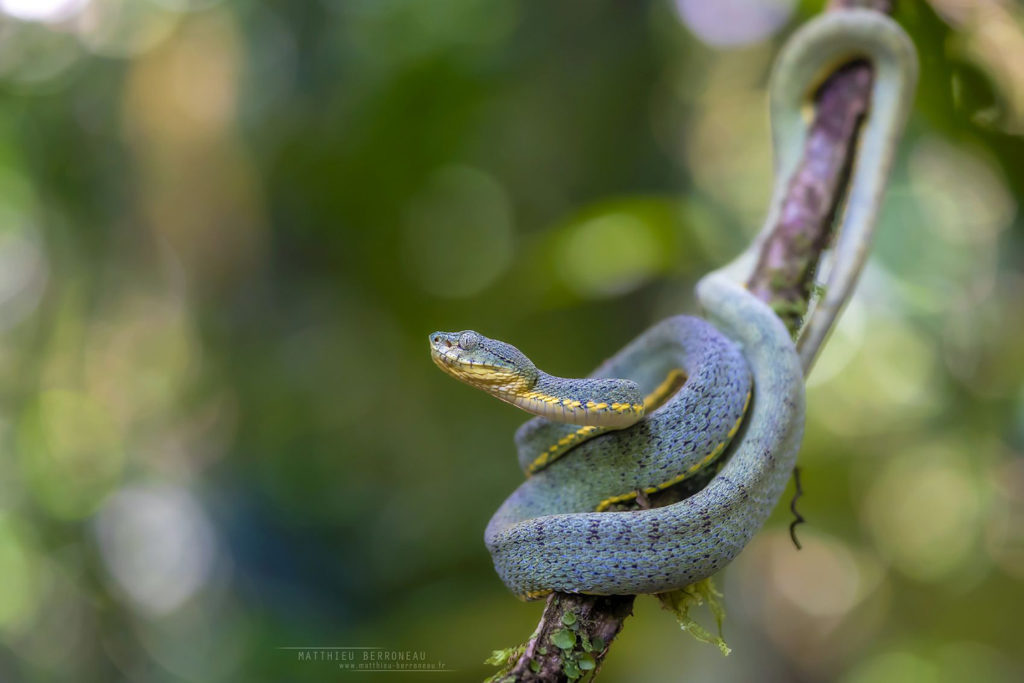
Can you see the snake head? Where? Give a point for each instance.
(494, 366)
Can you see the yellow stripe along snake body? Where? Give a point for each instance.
(631, 427)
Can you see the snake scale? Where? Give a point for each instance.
(689, 393)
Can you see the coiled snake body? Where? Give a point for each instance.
(687, 390)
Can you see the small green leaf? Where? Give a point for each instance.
(680, 601)
(504, 660)
(535, 666)
(563, 638)
(571, 670)
(585, 643)
(598, 643)
(587, 662)
(501, 657)
(568, 618)
(542, 650)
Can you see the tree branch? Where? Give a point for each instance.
(783, 278)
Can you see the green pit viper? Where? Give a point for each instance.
(687, 390)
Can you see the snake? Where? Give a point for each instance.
(719, 396)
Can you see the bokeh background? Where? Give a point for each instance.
(226, 229)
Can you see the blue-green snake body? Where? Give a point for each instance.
(636, 426)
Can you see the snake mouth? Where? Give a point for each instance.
(449, 363)
(475, 373)
(451, 358)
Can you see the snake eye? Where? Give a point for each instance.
(468, 340)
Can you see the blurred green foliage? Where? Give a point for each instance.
(226, 229)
